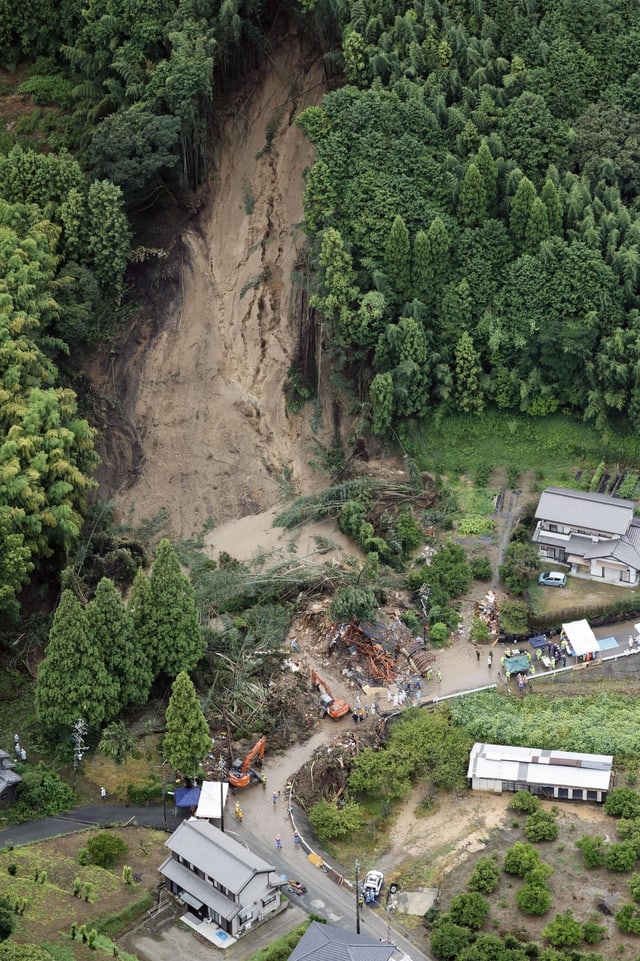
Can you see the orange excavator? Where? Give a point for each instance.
(242, 773)
(335, 707)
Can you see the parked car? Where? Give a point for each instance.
(372, 885)
(297, 886)
(553, 579)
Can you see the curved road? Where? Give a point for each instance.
(324, 897)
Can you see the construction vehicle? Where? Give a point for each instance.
(242, 774)
(335, 707)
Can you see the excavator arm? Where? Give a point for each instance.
(241, 773)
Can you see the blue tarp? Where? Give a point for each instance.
(540, 640)
(187, 797)
(607, 643)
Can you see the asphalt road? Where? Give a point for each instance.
(323, 897)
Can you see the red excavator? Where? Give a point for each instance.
(335, 707)
(242, 774)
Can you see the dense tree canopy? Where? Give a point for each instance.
(514, 130)
(73, 681)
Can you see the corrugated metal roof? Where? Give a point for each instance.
(598, 512)
(498, 762)
(190, 882)
(326, 942)
(215, 853)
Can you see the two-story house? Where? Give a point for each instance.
(596, 535)
(220, 880)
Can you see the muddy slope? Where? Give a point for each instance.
(202, 389)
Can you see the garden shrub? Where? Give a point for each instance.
(592, 932)
(620, 857)
(7, 919)
(628, 829)
(329, 821)
(469, 910)
(563, 932)
(82, 856)
(141, 794)
(520, 859)
(628, 919)
(541, 826)
(540, 874)
(534, 898)
(105, 849)
(449, 939)
(480, 568)
(43, 793)
(439, 634)
(623, 802)
(592, 849)
(485, 876)
(524, 803)
(634, 886)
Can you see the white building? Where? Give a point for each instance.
(597, 535)
(219, 880)
(563, 775)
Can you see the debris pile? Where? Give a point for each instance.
(325, 774)
(487, 611)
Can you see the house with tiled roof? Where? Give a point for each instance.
(219, 880)
(596, 535)
(326, 942)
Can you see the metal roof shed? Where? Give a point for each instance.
(554, 774)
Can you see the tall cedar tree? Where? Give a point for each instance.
(111, 628)
(177, 635)
(397, 259)
(73, 681)
(141, 610)
(187, 739)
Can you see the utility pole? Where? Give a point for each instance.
(357, 897)
(221, 774)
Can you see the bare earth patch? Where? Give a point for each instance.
(441, 850)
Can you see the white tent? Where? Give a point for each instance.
(581, 637)
(210, 795)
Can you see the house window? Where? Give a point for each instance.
(625, 575)
(592, 795)
(244, 917)
(554, 528)
(270, 898)
(563, 792)
(578, 794)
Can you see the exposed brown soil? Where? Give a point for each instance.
(198, 427)
(441, 850)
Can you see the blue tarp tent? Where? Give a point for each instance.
(540, 640)
(186, 797)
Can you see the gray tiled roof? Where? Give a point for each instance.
(598, 512)
(326, 942)
(215, 853)
(620, 549)
(200, 889)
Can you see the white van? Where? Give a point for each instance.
(553, 579)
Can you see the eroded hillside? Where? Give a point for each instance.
(203, 386)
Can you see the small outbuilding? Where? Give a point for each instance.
(564, 775)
